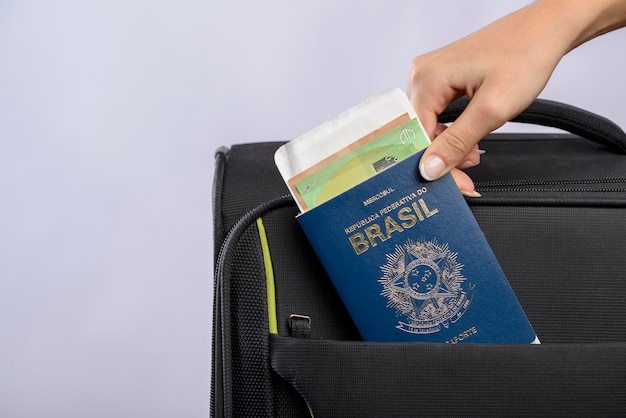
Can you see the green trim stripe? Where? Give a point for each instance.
(269, 278)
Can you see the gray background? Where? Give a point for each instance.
(110, 112)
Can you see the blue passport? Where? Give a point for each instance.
(410, 262)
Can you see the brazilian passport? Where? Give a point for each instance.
(410, 262)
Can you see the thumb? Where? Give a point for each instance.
(449, 148)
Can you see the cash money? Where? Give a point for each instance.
(351, 148)
(345, 170)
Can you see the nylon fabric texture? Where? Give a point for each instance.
(553, 208)
(356, 379)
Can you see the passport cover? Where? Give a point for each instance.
(410, 262)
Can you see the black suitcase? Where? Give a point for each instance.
(553, 208)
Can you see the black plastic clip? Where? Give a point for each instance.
(300, 326)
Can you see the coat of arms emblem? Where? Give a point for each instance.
(422, 281)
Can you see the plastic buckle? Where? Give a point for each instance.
(300, 326)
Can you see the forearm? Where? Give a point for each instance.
(501, 68)
(581, 20)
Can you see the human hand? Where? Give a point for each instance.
(501, 68)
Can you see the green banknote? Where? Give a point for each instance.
(350, 169)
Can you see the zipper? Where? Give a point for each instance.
(610, 185)
(541, 185)
(606, 192)
(222, 270)
(246, 221)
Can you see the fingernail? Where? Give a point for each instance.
(467, 164)
(481, 151)
(432, 168)
(473, 193)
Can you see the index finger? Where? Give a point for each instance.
(448, 149)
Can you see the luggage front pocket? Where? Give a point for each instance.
(343, 378)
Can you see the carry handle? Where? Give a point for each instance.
(558, 115)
